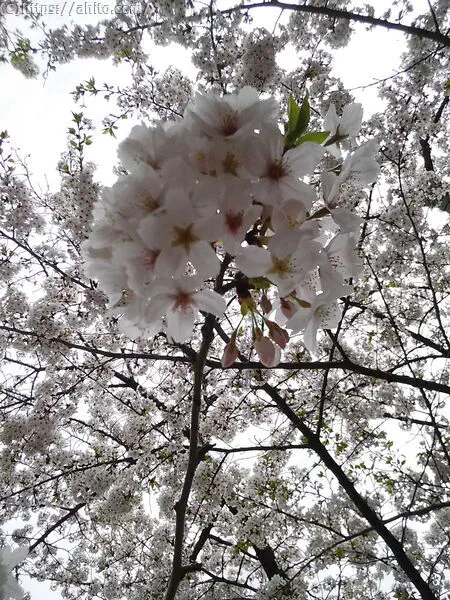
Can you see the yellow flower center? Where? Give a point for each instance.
(280, 266)
(184, 237)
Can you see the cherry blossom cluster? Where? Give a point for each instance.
(223, 191)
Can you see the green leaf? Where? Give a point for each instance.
(293, 112)
(77, 117)
(323, 212)
(302, 303)
(303, 118)
(298, 120)
(260, 283)
(318, 137)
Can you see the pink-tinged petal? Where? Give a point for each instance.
(170, 261)
(279, 220)
(329, 315)
(211, 302)
(284, 243)
(155, 231)
(279, 335)
(251, 215)
(266, 304)
(346, 220)
(330, 188)
(254, 261)
(310, 335)
(230, 354)
(331, 120)
(351, 119)
(300, 319)
(179, 206)
(180, 323)
(204, 259)
(231, 243)
(156, 308)
(304, 159)
(268, 353)
(292, 188)
(209, 228)
(288, 307)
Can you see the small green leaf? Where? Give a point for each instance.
(298, 120)
(318, 137)
(302, 303)
(260, 283)
(323, 212)
(303, 118)
(293, 112)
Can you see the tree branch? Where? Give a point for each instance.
(59, 522)
(178, 571)
(348, 16)
(366, 511)
(346, 365)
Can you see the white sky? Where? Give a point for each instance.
(37, 113)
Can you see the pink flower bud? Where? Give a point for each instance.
(268, 353)
(230, 353)
(288, 308)
(266, 304)
(279, 335)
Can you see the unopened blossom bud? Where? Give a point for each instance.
(266, 304)
(269, 354)
(279, 335)
(288, 308)
(230, 353)
(247, 305)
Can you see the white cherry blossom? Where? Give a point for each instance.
(279, 172)
(340, 128)
(323, 313)
(286, 262)
(181, 236)
(180, 300)
(232, 116)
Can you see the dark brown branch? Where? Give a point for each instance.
(425, 142)
(266, 557)
(348, 16)
(59, 522)
(97, 351)
(279, 448)
(346, 365)
(415, 421)
(366, 511)
(178, 571)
